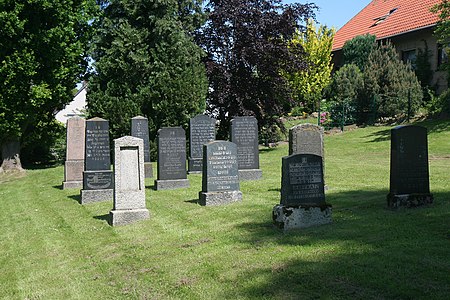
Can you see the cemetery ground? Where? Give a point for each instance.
(54, 248)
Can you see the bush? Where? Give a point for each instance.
(439, 105)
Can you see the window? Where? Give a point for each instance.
(409, 56)
(443, 52)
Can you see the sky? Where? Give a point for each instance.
(335, 13)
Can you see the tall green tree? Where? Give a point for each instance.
(309, 84)
(442, 30)
(247, 47)
(146, 63)
(357, 50)
(42, 55)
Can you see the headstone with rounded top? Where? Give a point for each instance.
(202, 129)
(171, 159)
(409, 172)
(139, 129)
(244, 133)
(129, 178)
(74, 164)
(220, 181)
(98, 182)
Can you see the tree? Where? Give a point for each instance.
(358, 49)
(247, 48)
(309, 84)
(390, 86)
(442, 31)
(146, 63)
(42, 55)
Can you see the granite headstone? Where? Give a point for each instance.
(244, 133)
(129, 178)
(220, 181)
(306, 139)
(171, 159)
(139, 129)
(409, 172)
(201, 131)
(74, 164)
(98, 180)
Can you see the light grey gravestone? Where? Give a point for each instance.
(302, 193)
(220, 181)
(171, 159)
(98, 179)
(129, 179)
(139, 129)
(74, 164)
(409, 172)
(202, 129)
(244, 133)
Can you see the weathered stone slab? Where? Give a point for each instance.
(171, 159)
(220, 181)
(74, 164)
(288, 218)
(202, 129)
(244, 133)
(139, 129)
(306, 139)
(98, 179)
(129, 178)
(409, 172)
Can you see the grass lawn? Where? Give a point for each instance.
(51, 247)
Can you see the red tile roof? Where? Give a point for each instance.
(409, 15)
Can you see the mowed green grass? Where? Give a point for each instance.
(51, 247)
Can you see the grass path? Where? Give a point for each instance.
(54, 248)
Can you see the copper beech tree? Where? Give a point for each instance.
(246, 42)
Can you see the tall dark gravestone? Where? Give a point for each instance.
(98, 180)
(244, 133)
(409, 175)
(139, 129)
(74, 164)
(202, 129)
(302, 193)
(220, 181)
(171, 159)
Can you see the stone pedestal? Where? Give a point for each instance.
(148, 169)
(91, 196)
(74, 164)
(408, 200)
(219, 198)
(288, 218)
(250, 174)
(171, 184)
(125, 217)
(73, 174)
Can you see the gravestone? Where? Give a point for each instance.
(139, 129)
(98, 181)
(244, 133)
(171, 159)
(74, 164)
(409, 173)
(302, 193)
(202, 129)
(129, 179)
(306, 139)
(220, 181)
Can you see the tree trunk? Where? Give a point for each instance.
(11, 157)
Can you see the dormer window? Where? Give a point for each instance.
(384, 17)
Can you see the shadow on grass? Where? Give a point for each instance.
(193, 201)
(380, 136)
(368, 252)
(58, 187)
(267, 149)
(30, 166)
(104, 217)
(75, 197)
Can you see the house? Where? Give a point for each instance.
(76, 107)
(407, 24)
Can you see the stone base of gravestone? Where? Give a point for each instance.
(127, 216)
(409, 200)
(73, 174)
(250, 174)
(91, 196)
(148, 169)
(288, 218)
(171, 184)
(219, 198)
(195, 165)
